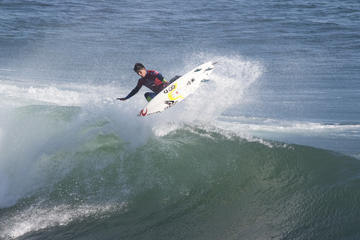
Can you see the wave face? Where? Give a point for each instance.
(89, 178)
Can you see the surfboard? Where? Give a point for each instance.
(178, 90)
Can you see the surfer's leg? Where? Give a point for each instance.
(174, 78)
(149, 96)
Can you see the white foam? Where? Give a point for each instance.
(168, 128)
(36, 217)
(65, 94)
(163, 129)
(240, 123)
(230, 133)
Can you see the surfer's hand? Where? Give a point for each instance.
(121, 99)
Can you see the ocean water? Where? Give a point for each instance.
(269, 148)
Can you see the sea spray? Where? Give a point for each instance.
(231, 77)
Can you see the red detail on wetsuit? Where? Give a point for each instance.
(158, 82)
(154, 81)
(143, 113)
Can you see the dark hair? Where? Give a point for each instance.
(138, 67)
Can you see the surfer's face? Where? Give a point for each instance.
(142, 72)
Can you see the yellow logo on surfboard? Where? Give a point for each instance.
(173, 94)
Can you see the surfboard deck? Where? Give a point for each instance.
(178, 90)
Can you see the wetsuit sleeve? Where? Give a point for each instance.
(135, 90)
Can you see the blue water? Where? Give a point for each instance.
(269, 148)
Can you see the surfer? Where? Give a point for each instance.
(151, 79)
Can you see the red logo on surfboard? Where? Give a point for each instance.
(143, 112)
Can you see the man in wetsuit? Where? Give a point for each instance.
(149, 78)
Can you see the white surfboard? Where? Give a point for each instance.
(178, 90)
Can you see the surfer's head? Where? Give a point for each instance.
(140, 69)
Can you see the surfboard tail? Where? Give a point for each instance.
(143, 112)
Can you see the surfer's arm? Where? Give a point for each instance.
(133, 92)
